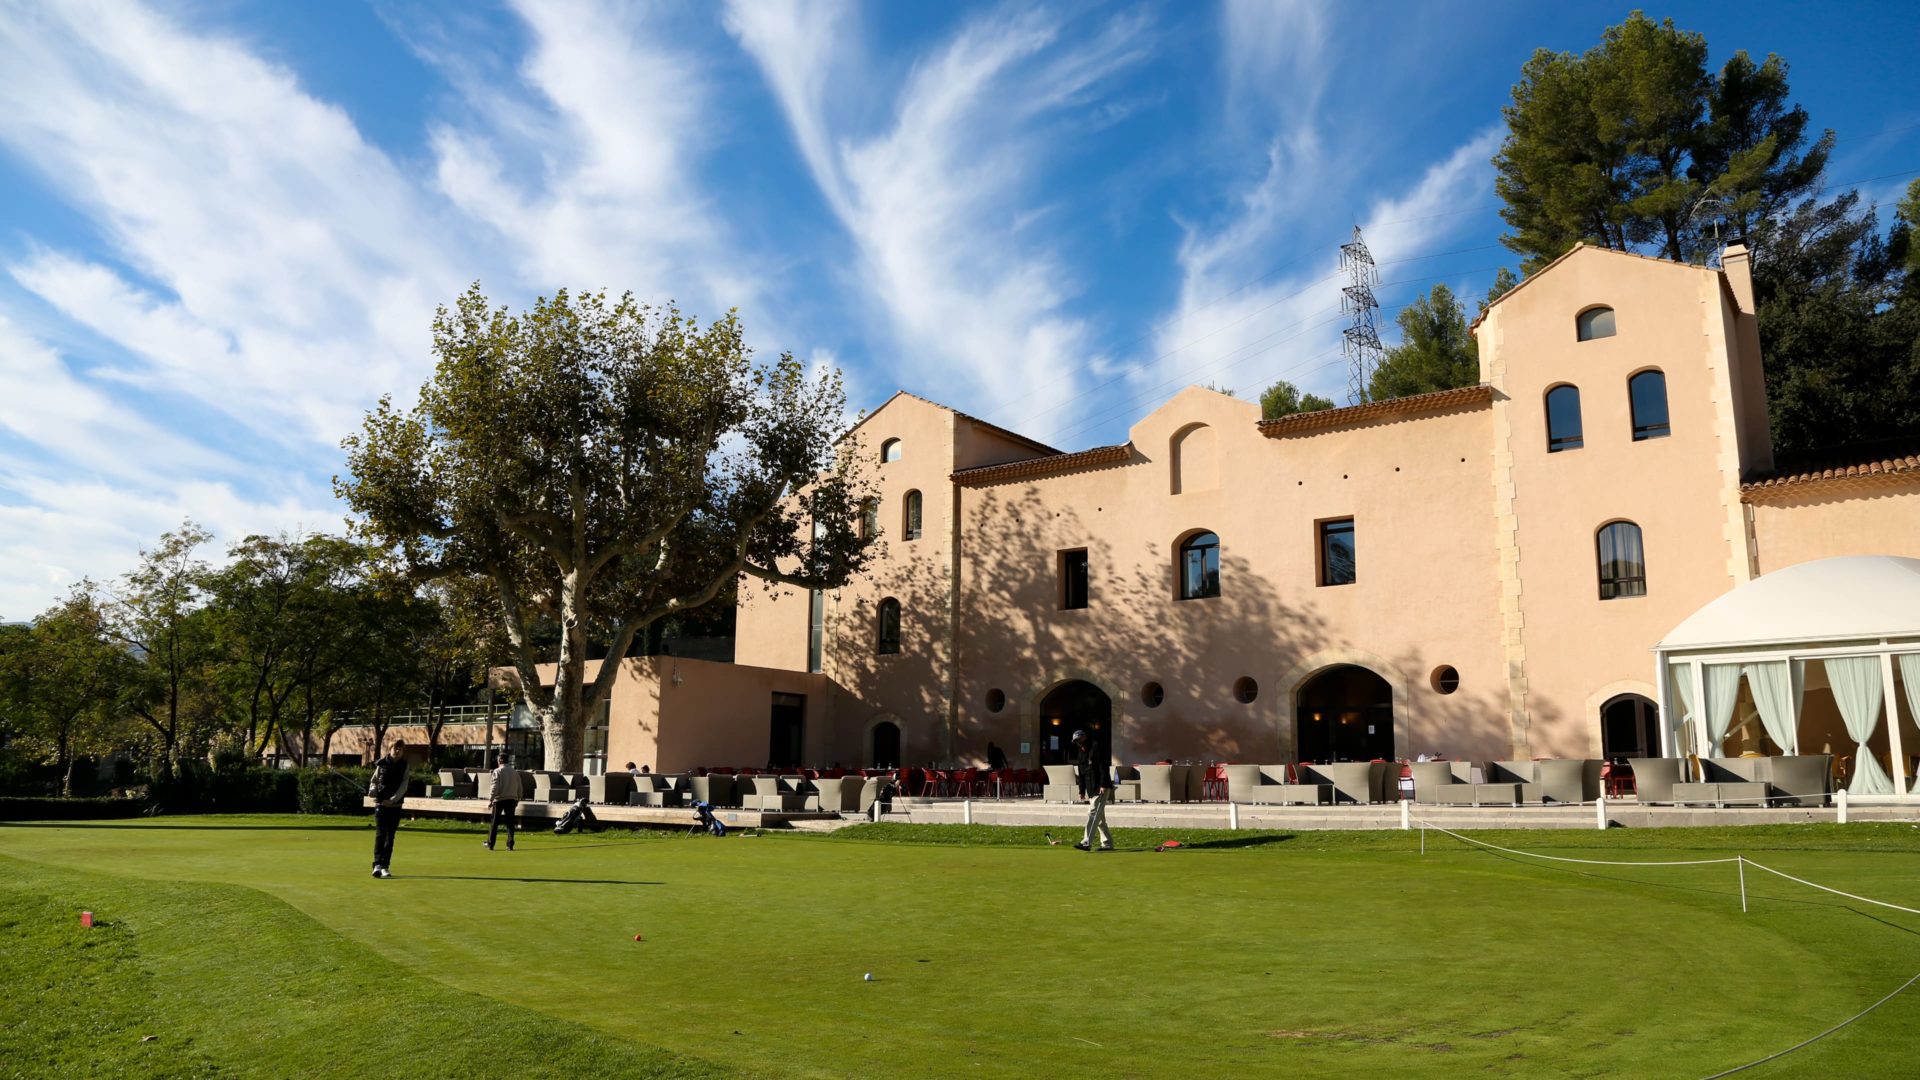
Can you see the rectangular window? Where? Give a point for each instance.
(816, 630)
(1336, 552)
(1073, 580)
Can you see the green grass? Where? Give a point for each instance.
(259, 947)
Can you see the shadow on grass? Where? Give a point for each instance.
(1225, 842)
(524, 880)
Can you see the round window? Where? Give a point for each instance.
(1445, 679)
(996, 700)
(1152, 694)
(1245, 690)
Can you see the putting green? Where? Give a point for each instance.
(1317, 954)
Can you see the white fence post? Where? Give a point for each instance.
(1233, 815)
(1406, 815)
(1600, 813)
(1840, 800)
(967, 808)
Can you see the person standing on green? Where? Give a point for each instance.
(504, 802)
(388, 789)
(1096, 783)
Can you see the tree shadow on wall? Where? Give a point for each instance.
(1012, 642)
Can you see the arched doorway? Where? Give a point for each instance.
(1069, 706)
(1345, 714)
(886, 745)
(1629, 727)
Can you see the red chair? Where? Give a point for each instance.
(1214, 787)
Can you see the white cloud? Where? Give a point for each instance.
(939, 201)
(604, 129)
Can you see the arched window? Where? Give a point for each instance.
(889, 451)
(1595, 322)
(1648, 393)
(1199, 567)
(1563, 419)
(869, 519)
(1623, 561)
(886, 638)
(910, 516)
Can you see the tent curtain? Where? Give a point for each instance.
(1680, 692)
(1858, 691)
(1772, 686)
(1910, 674)
(1723, 687)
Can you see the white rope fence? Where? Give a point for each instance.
(1740, 862)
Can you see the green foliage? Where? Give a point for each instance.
(60, 682)
(1908, 221)
(194, 788)
(1284, 399)
(604, 465)
(1839, 328)
(1619, 146)
(1436, 350)
(333, 791)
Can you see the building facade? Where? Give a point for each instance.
(1481, 572)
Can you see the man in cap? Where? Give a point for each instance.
(1096, 783)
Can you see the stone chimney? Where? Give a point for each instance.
(1737, 263)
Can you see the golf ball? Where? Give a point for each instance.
(869, 976)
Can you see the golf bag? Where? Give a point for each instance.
(705, 821)
(578, 816)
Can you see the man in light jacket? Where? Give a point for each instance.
(388, 789)
(504, 802)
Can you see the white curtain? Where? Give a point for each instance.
(1858, 691)
(1910, 674)
(1772, 686)
(1680, 693)
(1723, 687)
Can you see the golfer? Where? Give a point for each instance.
(504, 802)
(388, 789)
(1096, 783)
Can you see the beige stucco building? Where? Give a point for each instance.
(1481, 572)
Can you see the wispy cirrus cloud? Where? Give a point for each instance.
(587, 163)
(939, 198)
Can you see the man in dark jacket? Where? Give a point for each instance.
(387, 789)
(1096, 783)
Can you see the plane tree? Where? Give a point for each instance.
(605, 464)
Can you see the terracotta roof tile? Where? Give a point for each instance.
(1043, 466)
(1327, 419)
(1862, 463)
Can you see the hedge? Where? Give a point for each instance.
(27, 808)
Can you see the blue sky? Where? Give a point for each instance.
(224, 225)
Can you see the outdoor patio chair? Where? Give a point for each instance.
(870, 792)
(1737, 781)
(714, 789)
(483, 785)
(1447, 783)
(611, 788)
(1126, 783)
(1572, 781)
(649, 790)
(838, 795)
(1654, 779)
(1351, 781)
(459, 781)
(1156, 783)
(1801, 780)
(551, 787)
(1063, 784)
(1525, 774)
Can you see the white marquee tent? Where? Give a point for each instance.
(1848, 626)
